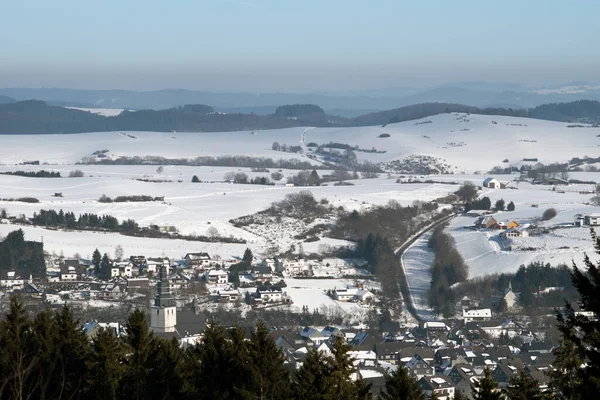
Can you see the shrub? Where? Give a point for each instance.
(195, 179)
(384, 135)
(28, 200)
(76, 174)
(549, 214)
(277, 176)
(105, 199)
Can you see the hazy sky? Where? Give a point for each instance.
(302, 45)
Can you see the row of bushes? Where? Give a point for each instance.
(124, 199)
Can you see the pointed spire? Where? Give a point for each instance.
(163, 289)
(510, 286)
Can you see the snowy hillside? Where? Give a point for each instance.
(467, 143)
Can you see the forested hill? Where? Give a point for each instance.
(32, 116)
(585, 111)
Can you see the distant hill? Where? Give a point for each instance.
(6, 99)
(34, 116)
(582, 111)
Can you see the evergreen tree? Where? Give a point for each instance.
(46, 340)
(510, 206)
(500, 205)
(522, 387)
(211, 365)
(17, 358)
(312, 379)
(105, 365)
(105, 266)
(68, 380)
(486, 388)
(400, 385)
(566, 379)
(580, 333)
(270, 378)
(96, 260)
(341, 386)
(248, 257)
(167, 378)
(315, 179)
(139, 341)
(195, 179)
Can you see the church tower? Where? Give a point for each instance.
(164, 313)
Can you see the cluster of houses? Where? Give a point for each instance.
(508, 229)
(440, 357)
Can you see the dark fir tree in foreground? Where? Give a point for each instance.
(400, 385)
(486, 388)
(578, 359)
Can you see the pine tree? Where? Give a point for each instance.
(341, 386)
(105, 365)
(270, 378)
(105, 267)
(238, 354)
(167, 377)
(312, 379)
(72, 350)
(139, 341)
(486, 388)
(510, 206)
(582, 331)
(566, 378)
(211, 365)
(16, 345)
(500, 205)
(315, 179)
(96, 260)
(195, 179)
(522, 387)
(248, 258)
(400, 385)
(46, 340)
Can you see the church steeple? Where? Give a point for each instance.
(163, 316)
(163, 289)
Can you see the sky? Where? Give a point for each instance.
(295, 46)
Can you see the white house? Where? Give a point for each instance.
(491, 183)
(350, 294)
(11, 280)
(154, 264)
(271, 294)
(478, 314)
(229, 295)
(513, 232)
(195, 260)
(294, 267)
(441, 386)
(216, 276)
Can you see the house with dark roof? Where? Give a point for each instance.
(440, 385)
(506, 369)
(419, 368)
(262, 274)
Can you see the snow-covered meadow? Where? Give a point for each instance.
(468, 143)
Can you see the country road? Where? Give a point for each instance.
(404, 284)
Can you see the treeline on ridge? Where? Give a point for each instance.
(35, 117)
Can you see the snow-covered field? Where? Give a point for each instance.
(467, 142)
(191, 207)
(105, 112)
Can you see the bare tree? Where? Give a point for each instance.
(119, 253)
(160, 170)
(212, 232)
